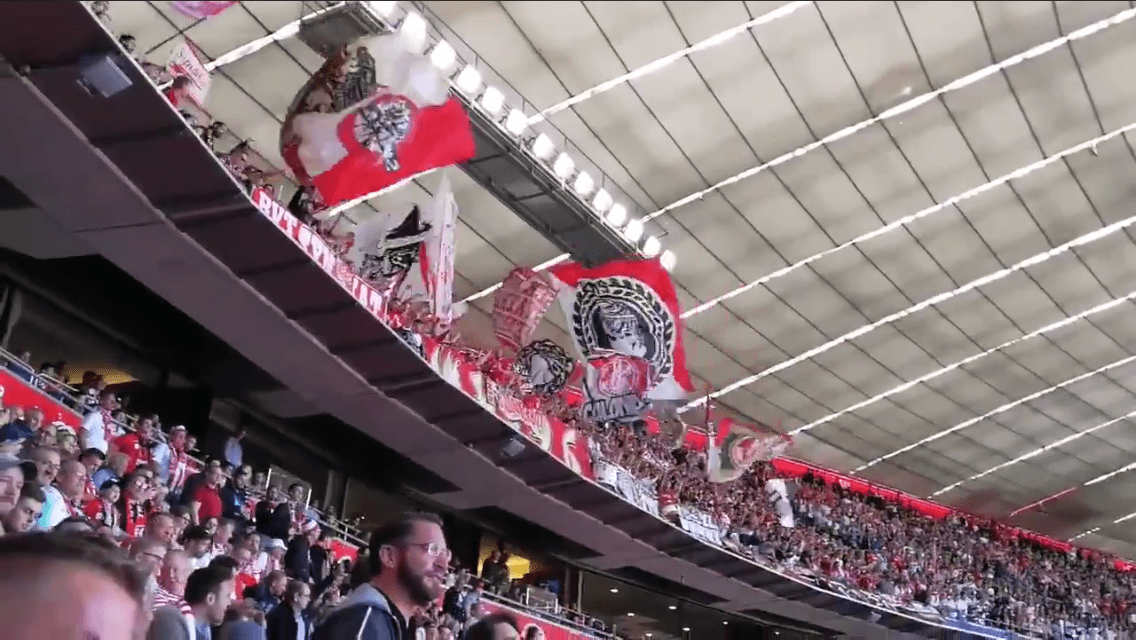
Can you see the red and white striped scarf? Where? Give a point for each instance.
(108, 424)
(163, 598)
(179, 467)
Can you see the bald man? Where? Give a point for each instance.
(102, 590)
(171, 580)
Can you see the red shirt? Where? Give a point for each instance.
(209, 500)
(137, 453)
(103, 512)
(133, 517)
(90, 491)
(242, 582)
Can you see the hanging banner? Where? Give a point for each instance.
(185, 61)
(637, 491)
(607, 474)
(526, 415)
(700, 524)
(200, 10)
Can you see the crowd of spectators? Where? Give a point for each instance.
(960, 568)
(149, 587)
(192, 527)
(218, 548)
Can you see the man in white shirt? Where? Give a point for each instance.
(47, 463)
(234, 453)
(63, 498)
(198, 546)
(93, 432)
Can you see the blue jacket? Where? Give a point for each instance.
(365, 614)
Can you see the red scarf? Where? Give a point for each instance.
(72, 510)
(90, 491)
(179, 466)
(108, 424)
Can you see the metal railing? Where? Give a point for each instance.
(70, 398)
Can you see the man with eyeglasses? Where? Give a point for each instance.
(408, 561)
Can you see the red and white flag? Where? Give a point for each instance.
(200, 10)
(628, 307)
(432, 281)
(372, 116)
(737, 445)
(185, 61)
(518, 307)
(411, 254)
(615, 388)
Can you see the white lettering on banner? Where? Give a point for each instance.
(640, 493)
(320, 252)
(606, 473)
(627, 485)
(700, 525)
(646, 498)
(184, 61)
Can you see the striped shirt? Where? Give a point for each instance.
(163, 598)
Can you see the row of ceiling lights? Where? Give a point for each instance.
(489, 99)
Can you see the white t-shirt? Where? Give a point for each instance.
(199, 563)
(54, 509)
(94, 431)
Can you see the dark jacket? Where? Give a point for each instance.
(273, 521)
(168, 624)
(365, 614)
(262, 597)
(281, 622)
(320, 561)
(233, 502)
(298, 559)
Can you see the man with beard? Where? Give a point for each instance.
(408, 561)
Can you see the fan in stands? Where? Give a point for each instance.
(266, 558)
(357, 129)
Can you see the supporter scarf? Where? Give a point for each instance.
(134, 517)
(72, 510)
(90, 492)
(108, 424)
(179, 465)
(108, 514)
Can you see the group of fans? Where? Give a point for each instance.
(961, 569)
(956, 568)
(204, 549)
